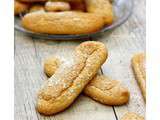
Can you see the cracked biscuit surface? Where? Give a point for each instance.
(68, 22)
(67, 83)
(138, 65)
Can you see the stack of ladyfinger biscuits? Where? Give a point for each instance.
(64, 16)
(69, 79)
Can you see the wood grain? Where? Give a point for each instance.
(122, 44)
(29, 76)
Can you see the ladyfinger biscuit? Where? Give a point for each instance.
(36, 7)
(107, 91)
(51, 65)
(101, 7)
(138, 65)
(20, 7)
(67, 83)
(101, 88)
(68, 22)
(132, 116)
(57, 6)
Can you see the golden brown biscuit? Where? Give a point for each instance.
(62, 22)
(57, 6)
(20, 7)
(107, 91)
(138, 65)
(67, 83)
(36, 7)
(101, 7)
(132, 116)
(51, 65)
(100, 88)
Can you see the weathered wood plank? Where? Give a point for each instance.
(123, 43)
(25, 81)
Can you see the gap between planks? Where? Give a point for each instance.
(112, 106)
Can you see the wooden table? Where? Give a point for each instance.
(122, 44)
